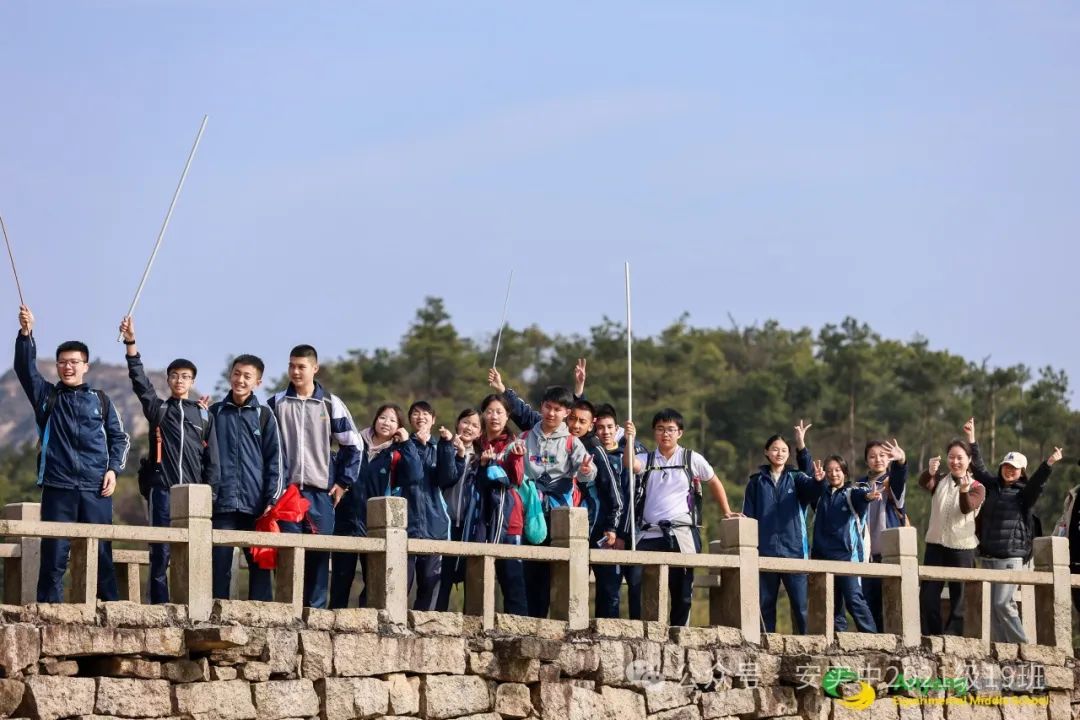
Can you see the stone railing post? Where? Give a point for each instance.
(21, 573)
(977, 611)
(289, 578)
(740, 606)
(480, 589)
(820, 619)
(84, 571)
(389, 587)
(1053, 603)
(190, 564)
(716, 596)
(570, 580)
(900, 595)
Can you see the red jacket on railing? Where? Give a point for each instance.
(291, 507)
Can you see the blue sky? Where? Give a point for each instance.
(915, 165)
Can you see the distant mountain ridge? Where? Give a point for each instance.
(17, 426)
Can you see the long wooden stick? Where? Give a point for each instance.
(506, 303)
(11, 257)
(168, 216)
(630, 410)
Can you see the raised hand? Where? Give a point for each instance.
(874, 494)
(896, 453)
(631, 433)
(517, 447)
(445, 434)
(495, 381)
(487, 457)
(586, 464)
(579, 377)
(402, 435)
(459, 445)
(127, 329)
(819, 471)
(205, 401)
(26, 320)
(1054, 457)
(969, 430)
(935, 463)
(800, 434)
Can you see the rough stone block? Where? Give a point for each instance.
(690, 712)
(577, 659)
(862, 642)
(133, 698)
(251, 613)
(319, 619)
(216, 638)
(1043, 654)
(164, 642)
(123, 667)
(493, 667)
(673, 661)
(280, 651)
(255, 671)
(619, 629)
(80, 640)
(136, 615)
(64, 668)
(530, 627)
(694, 637)
(963, 647)
(226, 700)
(186, 671)
(699, 666)
(348, 698)
(566, 700)
(449, 696)
(356, 620)
(280, 699)
(317, 653)
(11, 695)
(404, 694)
(513, 700)
(806, 644)
(62, 614)
(623, 704)
(436, 623)
(667, 695)
(1006, 652)
(219, 672)
(775, 701)
(437, 655)
(20, 647)
(51, 698)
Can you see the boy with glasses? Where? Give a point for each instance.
(83, 447)
(668, 501)
(183, 446)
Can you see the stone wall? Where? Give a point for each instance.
(258, 661)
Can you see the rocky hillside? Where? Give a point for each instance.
(17, 418)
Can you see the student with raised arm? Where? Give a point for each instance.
(311, 420)
(183, 447)
(668, 501)
(886, 466)
(777, 496)
(950, 538)
(83, 447)
(839, 534)
(1005, 527)
(251, 476)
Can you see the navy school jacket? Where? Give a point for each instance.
(428, 515)
(838, 534)
(387, 474)
(781, 509)
(251, 467)
(78, 444)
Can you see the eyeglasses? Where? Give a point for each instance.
(69, 363)
(667, 430)
(181, 376)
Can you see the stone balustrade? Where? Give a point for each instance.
(733, 565)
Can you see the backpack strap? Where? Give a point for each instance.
(264, 418)
(47, 407)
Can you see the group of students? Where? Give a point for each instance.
(972, 510)
(483, 481)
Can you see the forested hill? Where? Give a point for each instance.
(735, 386)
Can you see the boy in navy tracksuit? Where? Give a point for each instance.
(428, 517)
(83, 447)
(251, 476)
(609, 577)
(840, 534)
(183, 448)
(777, 496)
(310, 420)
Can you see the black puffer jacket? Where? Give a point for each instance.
(1005, 521)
